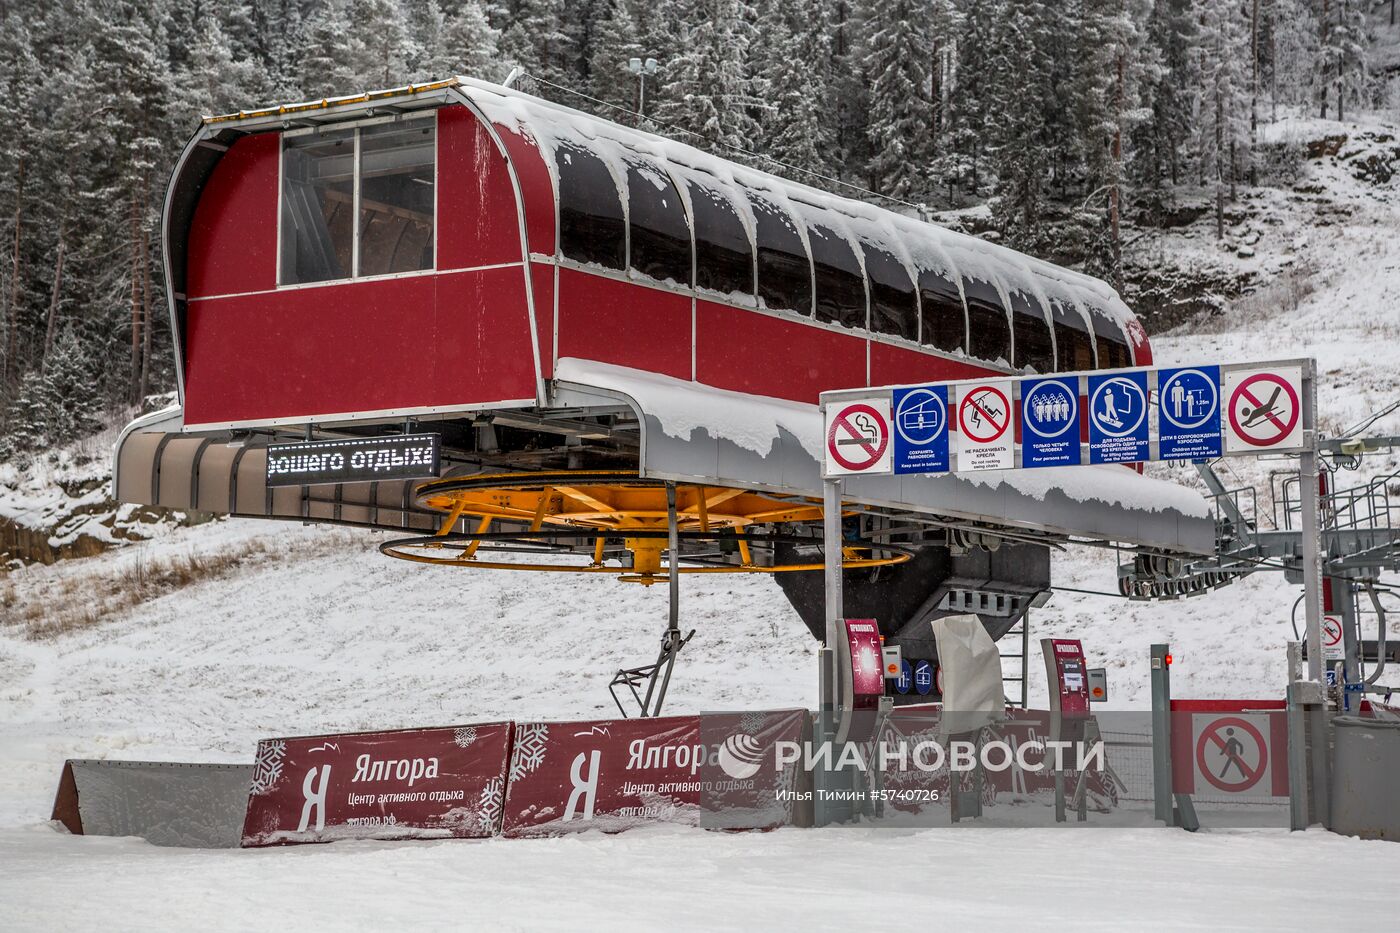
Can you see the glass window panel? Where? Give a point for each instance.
(396, 197)
(988, 325)
(944, 323)
(784, 271)
(1112, 343)
(723, 254)
(894, 309)
(840, 287)
(1074, 348)
(660, 235)
(318, 196)
(591, 223)
(1034, 347)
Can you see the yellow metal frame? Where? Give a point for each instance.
(616, 502)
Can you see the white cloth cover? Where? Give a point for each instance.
(971, 668)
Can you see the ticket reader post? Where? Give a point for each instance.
(1067, 675)
(858, 680)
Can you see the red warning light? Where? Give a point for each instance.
(1169, 660)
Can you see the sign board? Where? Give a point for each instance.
(921, 429)
(905, 681)
(1332, 646)
(923, 678)
(985, 436)
(407, 784)
(1263, 411)
(1231, 754)
(1189, 416)
(1118, 422)
(615, 774)
(858, 437)
(1124, 416)
(1098, 684)
(1049, 422)
(362, 460)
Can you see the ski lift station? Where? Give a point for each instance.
(507, 334)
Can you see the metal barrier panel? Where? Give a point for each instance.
(165, 803)
(409, 784)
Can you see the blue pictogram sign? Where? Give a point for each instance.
(920, 429)
(905, 680)
(1188, 422)
(1118, 418)
(923, 678)
(1049, 422)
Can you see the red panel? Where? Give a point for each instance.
(233, 240)
(622, 323)
(893, 365)
(542, 281)
(1142, 349)
(536, 188)
(478, 224)
(750, 352)
(407, 784)
(366, 346)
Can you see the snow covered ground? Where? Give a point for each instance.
(663, 879)
(334, 637)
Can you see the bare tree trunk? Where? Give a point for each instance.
(1322, 41)
(936, 89)
(1116, 169)
(54, 295)
(146, 329)
(134, 372)
(1254, 87)
(1219, 166)
(12, 299)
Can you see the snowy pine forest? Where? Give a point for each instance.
(1066, 128)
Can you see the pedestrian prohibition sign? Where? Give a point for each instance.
(858, 437)
(984, 421)
(1232, 755)
(1263, 410)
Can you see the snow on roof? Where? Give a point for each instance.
(924, 244)
(756, 423)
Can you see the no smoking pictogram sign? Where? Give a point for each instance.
(1263, 410)
(1231, 754)
(858, 437)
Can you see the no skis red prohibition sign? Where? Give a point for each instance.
(858, 437)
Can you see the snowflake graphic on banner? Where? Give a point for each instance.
(752, 722)
(268, 767)
(464, 736)
(529, 748)
(489, 810)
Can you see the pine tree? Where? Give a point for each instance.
(897, 54)
(469, 44)
(383, 48)
(797, 128)
(68, 397)
(536, 40)
(329, 65)
(706, 85)
(617, 41)
(1220, 113)
(1342, 53)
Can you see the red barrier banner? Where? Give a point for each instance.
(919, 777)
(408, 784)
(718, 770)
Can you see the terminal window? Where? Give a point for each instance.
(358, 202)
